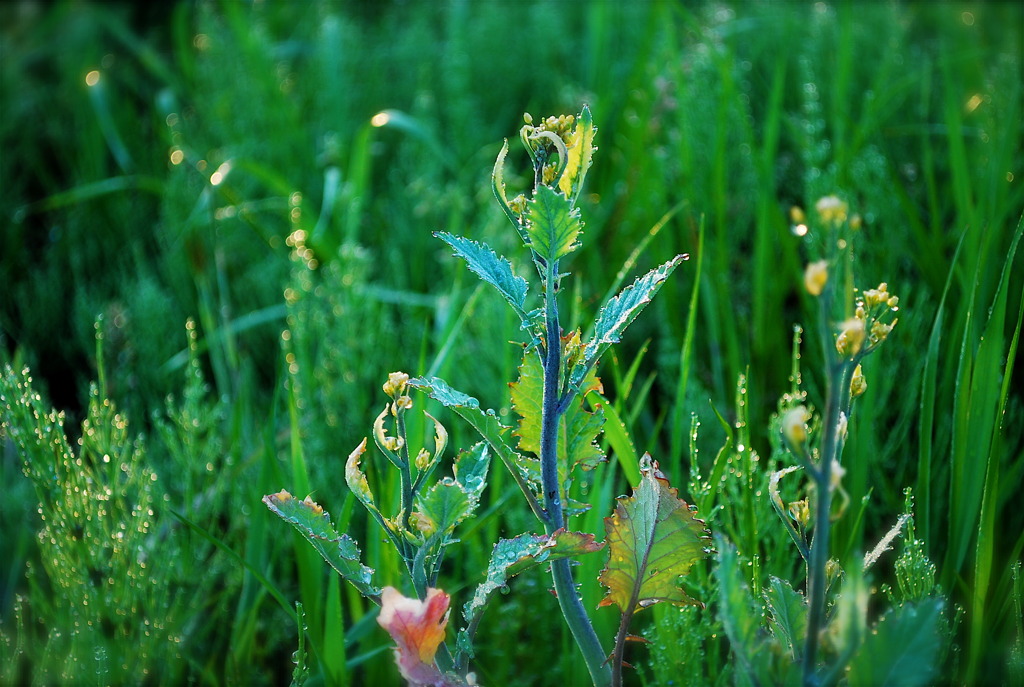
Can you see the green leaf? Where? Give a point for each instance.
(314, 523)
(580, 153)
(618, 313)
(552, 224)
(848, 626)
(903, 649)
(512, 556)
(788, 609)
(452, 500)
(495, 270)
(653, 539)
(471, 469)
(578, 428)
(441, 507)
(740, 617)
(486, 423)
(527, 398)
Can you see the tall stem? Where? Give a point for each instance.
(816, 577)
(561, 572)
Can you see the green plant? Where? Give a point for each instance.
(653, 537)
(821, 637)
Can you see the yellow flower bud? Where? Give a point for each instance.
(395, 384)
(800, 511)
(796, 215)
(794, 425)
(880, 331)
(403, 402)
(815, 277)
(875, 297)
(851, 337)
(422, 459)
(518, 204)
(858, 384)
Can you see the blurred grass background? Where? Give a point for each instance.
(237, 200)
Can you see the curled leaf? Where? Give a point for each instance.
(579, 155)
(356, 478)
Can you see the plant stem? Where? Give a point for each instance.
(561, 571)
(619, 652)
(550, 411)
(405, 467)
(816, 578)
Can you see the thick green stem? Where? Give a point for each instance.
(561, 571)
(550, 412)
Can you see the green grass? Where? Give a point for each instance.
(720, 116)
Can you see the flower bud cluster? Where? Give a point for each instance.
(870, 324)
(831, 210)
(561, 126)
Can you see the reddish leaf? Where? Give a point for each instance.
(418, 628)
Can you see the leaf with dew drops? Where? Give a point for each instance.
(653, 538)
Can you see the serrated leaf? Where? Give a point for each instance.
(441, 507)
(580, 153)
(578, 428)
(314, 523)
(618, 313)
(493, 269)
(512, 556)
(903, 649)
(451, 500)
(356, 478)
(486, 423)
(788, 619)
(653, 538)
(552, 224)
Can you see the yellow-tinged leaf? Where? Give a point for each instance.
(355, 477)
(653, 539)
(579, 154)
